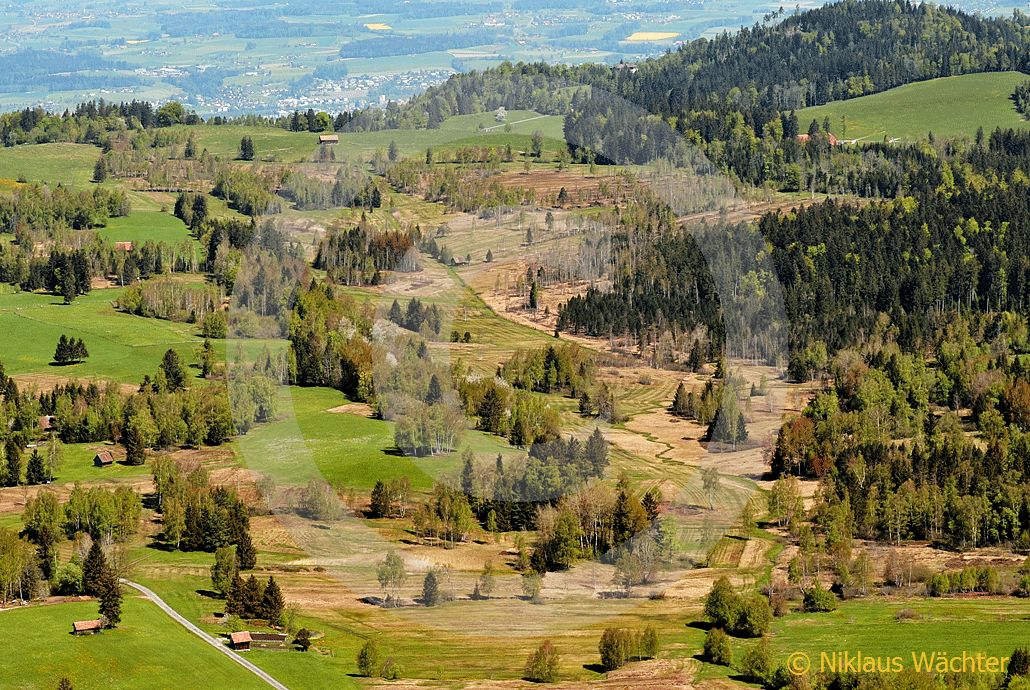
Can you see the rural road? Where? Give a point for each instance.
(214, 642)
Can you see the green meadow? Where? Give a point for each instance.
(70, 164)
(347, 450)
(949, 107)
(480, 129)
(122, 347)
(148, 649)
(145, 226)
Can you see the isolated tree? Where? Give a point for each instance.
(615, 648)
(563, 197)
(246, 149)
(391, 575)
(190, 150)
(303, 639)
(487, 582)
(489, 256)
(531, 585)
(543, 664)
(717, 648)
(369, 661)
(431, 589)
(100, 170)
(65, 684)
(536, 144)
(392, 152)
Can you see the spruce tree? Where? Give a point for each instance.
(135, 447)
(62, 354)
(36, 472)
(12, 454)
(272, 602)
(110, 595)
(93, 569)
(246, 554)
(431, 589)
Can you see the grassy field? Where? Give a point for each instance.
(472, 130)
(144, 226)
(148, 649)
(121, 346)
(347, 450)
(949, 107)
(70, 164)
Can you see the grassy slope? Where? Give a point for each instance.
(141, 226)
(347, 450)
(461, 130)
(121, 346)
(949, 107)
(65, 163)
(149, 649)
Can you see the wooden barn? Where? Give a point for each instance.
(240, 641)
(103, 458)
(87, 627)
(328, 139)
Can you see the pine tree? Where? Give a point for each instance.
(175, 373)
(246, 149)
(62, 354)
(434, 394)
(679, 402)
(12, 454)
(65, 684)
(272, 602)
(234, 596)
(253, 593)
(110, 595)
(246, 554)
(135, 447)
(100, 170)
(93, 569)
(431, 589)
(36, 472)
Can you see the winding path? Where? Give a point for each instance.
(213, 641)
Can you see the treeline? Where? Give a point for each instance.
(89, 121)
(1021, 97)
(358, 255)
(47, 208)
